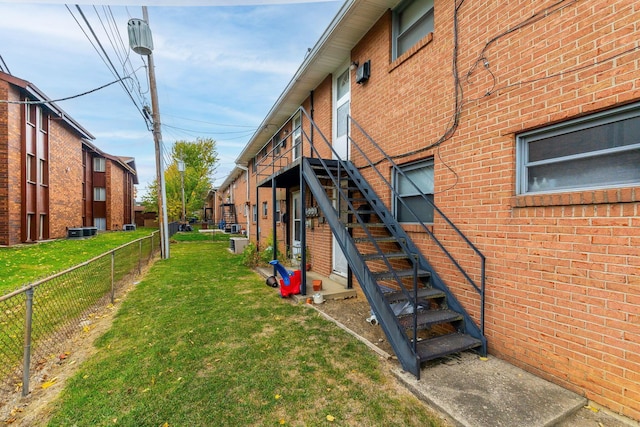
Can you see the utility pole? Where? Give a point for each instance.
(141, 43)
(181, 170)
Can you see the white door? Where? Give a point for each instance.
(296, 225)
(341, 102)
(340, 265)
(342, 99)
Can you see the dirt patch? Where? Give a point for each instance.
(353, 314)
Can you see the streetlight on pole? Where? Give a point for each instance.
(141, 42)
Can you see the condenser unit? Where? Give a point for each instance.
(237, 244)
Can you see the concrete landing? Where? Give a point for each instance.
(490, 393)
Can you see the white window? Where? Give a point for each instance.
(99, 164)
(99, 194)
(43, 172)
(255, 213)
(100, 223)
(413, 184)
(412, 20)
(30, 171)
(297, 136)
(265, 209)
(597, 151)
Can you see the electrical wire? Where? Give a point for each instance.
(249, 131)
(105, 58)
(49, 101)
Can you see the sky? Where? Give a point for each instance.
(219, 68)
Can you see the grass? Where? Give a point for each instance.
(27, 263)
(203, 341)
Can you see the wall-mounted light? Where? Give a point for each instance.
(353, 66)
(363, 72)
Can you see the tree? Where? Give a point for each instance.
(200, 160)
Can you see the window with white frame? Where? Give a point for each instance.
(265, 209)
(100, 223)
(413, 183)
(254, 209)
(597, 151)
(99, 164)
(412, 20)
(99, 194)
(297, 135)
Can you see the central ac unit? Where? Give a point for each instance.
(237, 244)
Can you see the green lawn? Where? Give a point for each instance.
(23, 264)
(202, 341)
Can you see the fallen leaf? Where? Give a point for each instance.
(331, 418)
(49, 383)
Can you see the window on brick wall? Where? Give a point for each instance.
(99, 164)
(265, 209)
(597, 151)
(412, 20)
(100, 223)
(43, 172)
(413, 183)
(99, 194)
(254, 209)
(30, 171)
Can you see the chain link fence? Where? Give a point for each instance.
(36, 320)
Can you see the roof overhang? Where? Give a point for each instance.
(354, 19)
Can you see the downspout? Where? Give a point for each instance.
(246, 169)
(311, 115)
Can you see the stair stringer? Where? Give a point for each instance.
(387, 319)
(470, 326)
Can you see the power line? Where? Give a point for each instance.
(66, 98)
(106, 58)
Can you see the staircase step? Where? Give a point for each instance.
(379, 239)
(368, 224)
(386, 275)
(379, 256)
(429, 318)
(423, 293)
(444, 345)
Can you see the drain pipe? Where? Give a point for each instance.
(246, 169)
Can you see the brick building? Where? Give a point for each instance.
(502, 135)
(51, 175)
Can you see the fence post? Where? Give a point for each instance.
(139, 257)
(27, 343)
(113, 263)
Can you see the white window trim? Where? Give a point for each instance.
(407, 167)
(582, 123)
(395, 27)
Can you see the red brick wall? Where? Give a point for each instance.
(115, 196)
(10, 166)
(65, 179)
(4, 165)
(562, 271)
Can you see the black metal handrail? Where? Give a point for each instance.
(480, 289)
(280, 155)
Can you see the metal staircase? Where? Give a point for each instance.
(228, 216)
(420, 316)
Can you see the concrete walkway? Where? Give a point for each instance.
(491, 393)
